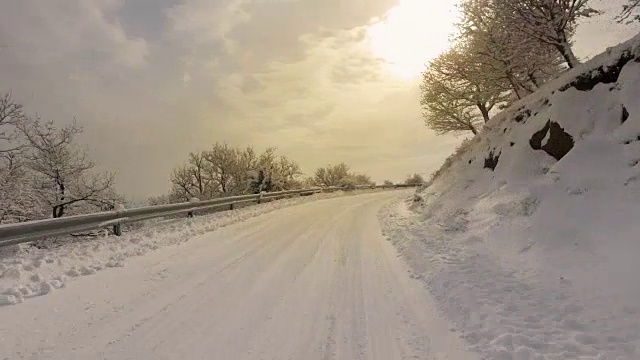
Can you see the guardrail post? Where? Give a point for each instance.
(117, 228)
(231, 206)
(260, 198)
(193, 200)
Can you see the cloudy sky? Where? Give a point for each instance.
(323, 80)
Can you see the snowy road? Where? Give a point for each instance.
(314, 281)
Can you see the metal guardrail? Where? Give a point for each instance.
(11, 234)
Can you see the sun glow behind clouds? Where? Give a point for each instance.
(412, 33)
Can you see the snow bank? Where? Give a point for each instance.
(27, 271)
(529, 239)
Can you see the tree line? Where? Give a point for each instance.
(45, 172)
(224, 170)
(502, 51)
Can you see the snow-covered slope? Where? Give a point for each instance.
(531, 235)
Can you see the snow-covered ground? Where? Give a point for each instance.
(529, 240)
(313, 281)
(27, 271)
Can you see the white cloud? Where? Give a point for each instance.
(55, 30)
(203, 22)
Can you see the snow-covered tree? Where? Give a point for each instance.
(339, 175)
(182, 184)
(192, 179)
(222, 163)
(361, 179)
(225, 170)
(309, 182)
(63, 173)
(505, 55)
(18, 200)
(331, 175)
(487, 36)
(551, 22)
(445, 103)
(161, 200)
(415, 179)
(11, 115)
(44, 171)
(459, 92)
(283, 174)
(630, 12)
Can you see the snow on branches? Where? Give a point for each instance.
(630, 12)
(44, 171)
(503, 51)
(224, 170)
(551, 22)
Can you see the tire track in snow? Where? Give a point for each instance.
(316, 282)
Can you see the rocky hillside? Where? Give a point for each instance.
(528, 237)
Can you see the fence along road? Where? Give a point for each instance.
(12, 234)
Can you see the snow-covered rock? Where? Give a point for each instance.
(529, 238)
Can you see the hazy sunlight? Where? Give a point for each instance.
(411, 34)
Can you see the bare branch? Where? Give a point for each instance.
(629, 13)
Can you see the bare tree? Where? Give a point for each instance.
(11, 115)
(551, 22)
(309, 182)
(486, 35)
(504, 56)
(161, 200)
(247, 169)
(198, 173)
(415, 179)
(331, 175)
(182, 183)
(63, 172)
(18, 200)
(339, 175)
(361, 179)
(459, 92)
(629, 12)
(443, 109)
(273, 173)
(222, 164)
(287, 173)
(225, 170)
(192, 179)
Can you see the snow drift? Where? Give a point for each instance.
(532, 232)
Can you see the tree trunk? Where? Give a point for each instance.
(200, 185)
(58, 210)
(514, 85)
(473, 129)
(533, 80)
(567, 53)
(485, 112)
